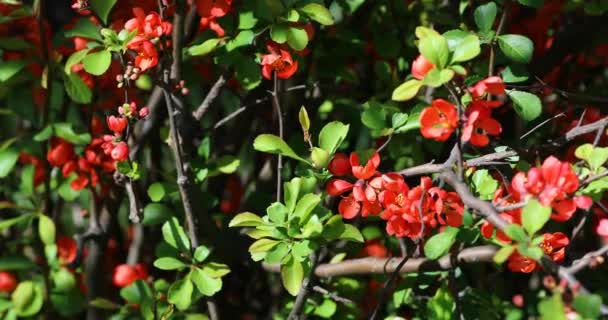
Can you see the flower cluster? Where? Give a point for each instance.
(440, 119)
(113, 145)
(554, 184)
(408, 212)
(280, 60)
(88, 167)
(210, 11)
(150, 27)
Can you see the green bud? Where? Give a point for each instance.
(319, 157)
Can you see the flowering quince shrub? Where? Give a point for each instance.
(303, 159)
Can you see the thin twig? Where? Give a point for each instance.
(540, 125)
(279, 113)
(331, 295)
(210, 97)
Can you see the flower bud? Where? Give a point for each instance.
(117, 124)
(339, 165)
(319, 157)
(144, 112)
(8, 282)
(120, 152)
(420, 67)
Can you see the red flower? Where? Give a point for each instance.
(602, 228)
(66, 249)
(39, 170)
(421, 66)
(339, 165)
(61, 152)
(124, 274)
(438, 120)
(117, 124)
(492, 85)
(487, 229)
(149, 25)
(278, 60)
(374, 248)
(479, 125)
(447, 204)
(213, 8)
(8, 282)
(147, 56)
(553, 245)
(120, 152)
(369, 170)
(553, 183)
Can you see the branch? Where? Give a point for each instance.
(279, 113)
(211, 96)
(373, 265)
(587, 260)
(332, 295)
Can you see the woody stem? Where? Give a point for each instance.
(279, 113)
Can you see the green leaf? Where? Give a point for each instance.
(527, 105)
(46, 229)
(74, 59)
(305, 206)
(278, 33)
(201, 253)
(318, 13)
(270, 143)
(105, 304)
(206, 284)
(588, 305)
(436, 78)
(27, 299)
(10, 68)
(102, 8)
(332, 135)
(326, 309)
(398, 120)
(485, 184)
(319, 157)
(277, 253)
(168, 263)
(297, 38)
(136, 292)
(484, 16)
(351, 233)
(304, 119)
(333, 228)
(246, 219)
(292, 275)
(244, 38)
(467, 49)
(532, 3)
(277, 212)
(247, 20)
(84, 28)
(175, 236)
(262, 245)
(503, 254)
(516, 232)
(216, 270)
(8, 159)
(514, 73)
(12, 221)
(77, 90)
(156, 191)
(439, 244)
(441, 306)
(598, 157)
(406, 90)
(156, 213)
(374, 117)
(534, 216)
(97, 63)
(63, 280)
(435, 49)
(552, 308)
(180, 294)
(13, 262)
(516, 47)
(66, 131)
(204, 48)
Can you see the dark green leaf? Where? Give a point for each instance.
(439, 244)
(528, 106)
(516, 47)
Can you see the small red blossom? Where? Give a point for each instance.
(124, 274)
(120, 152)
(209, 11)
(491, 85)
(339, 165)
(421, 66)
(66, 249)
(278, 60)
(61, 152)
(8, 282)
(147, 56)
(438, 120)
(553, 245)
(149, 25)
(479, 125)
(117, 124)
(602, 228)
(374, 248)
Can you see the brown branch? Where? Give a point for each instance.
(331, 295)
(210, 97)
(279, 113)
(587, 260)
(373, 265)
(429, 168)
